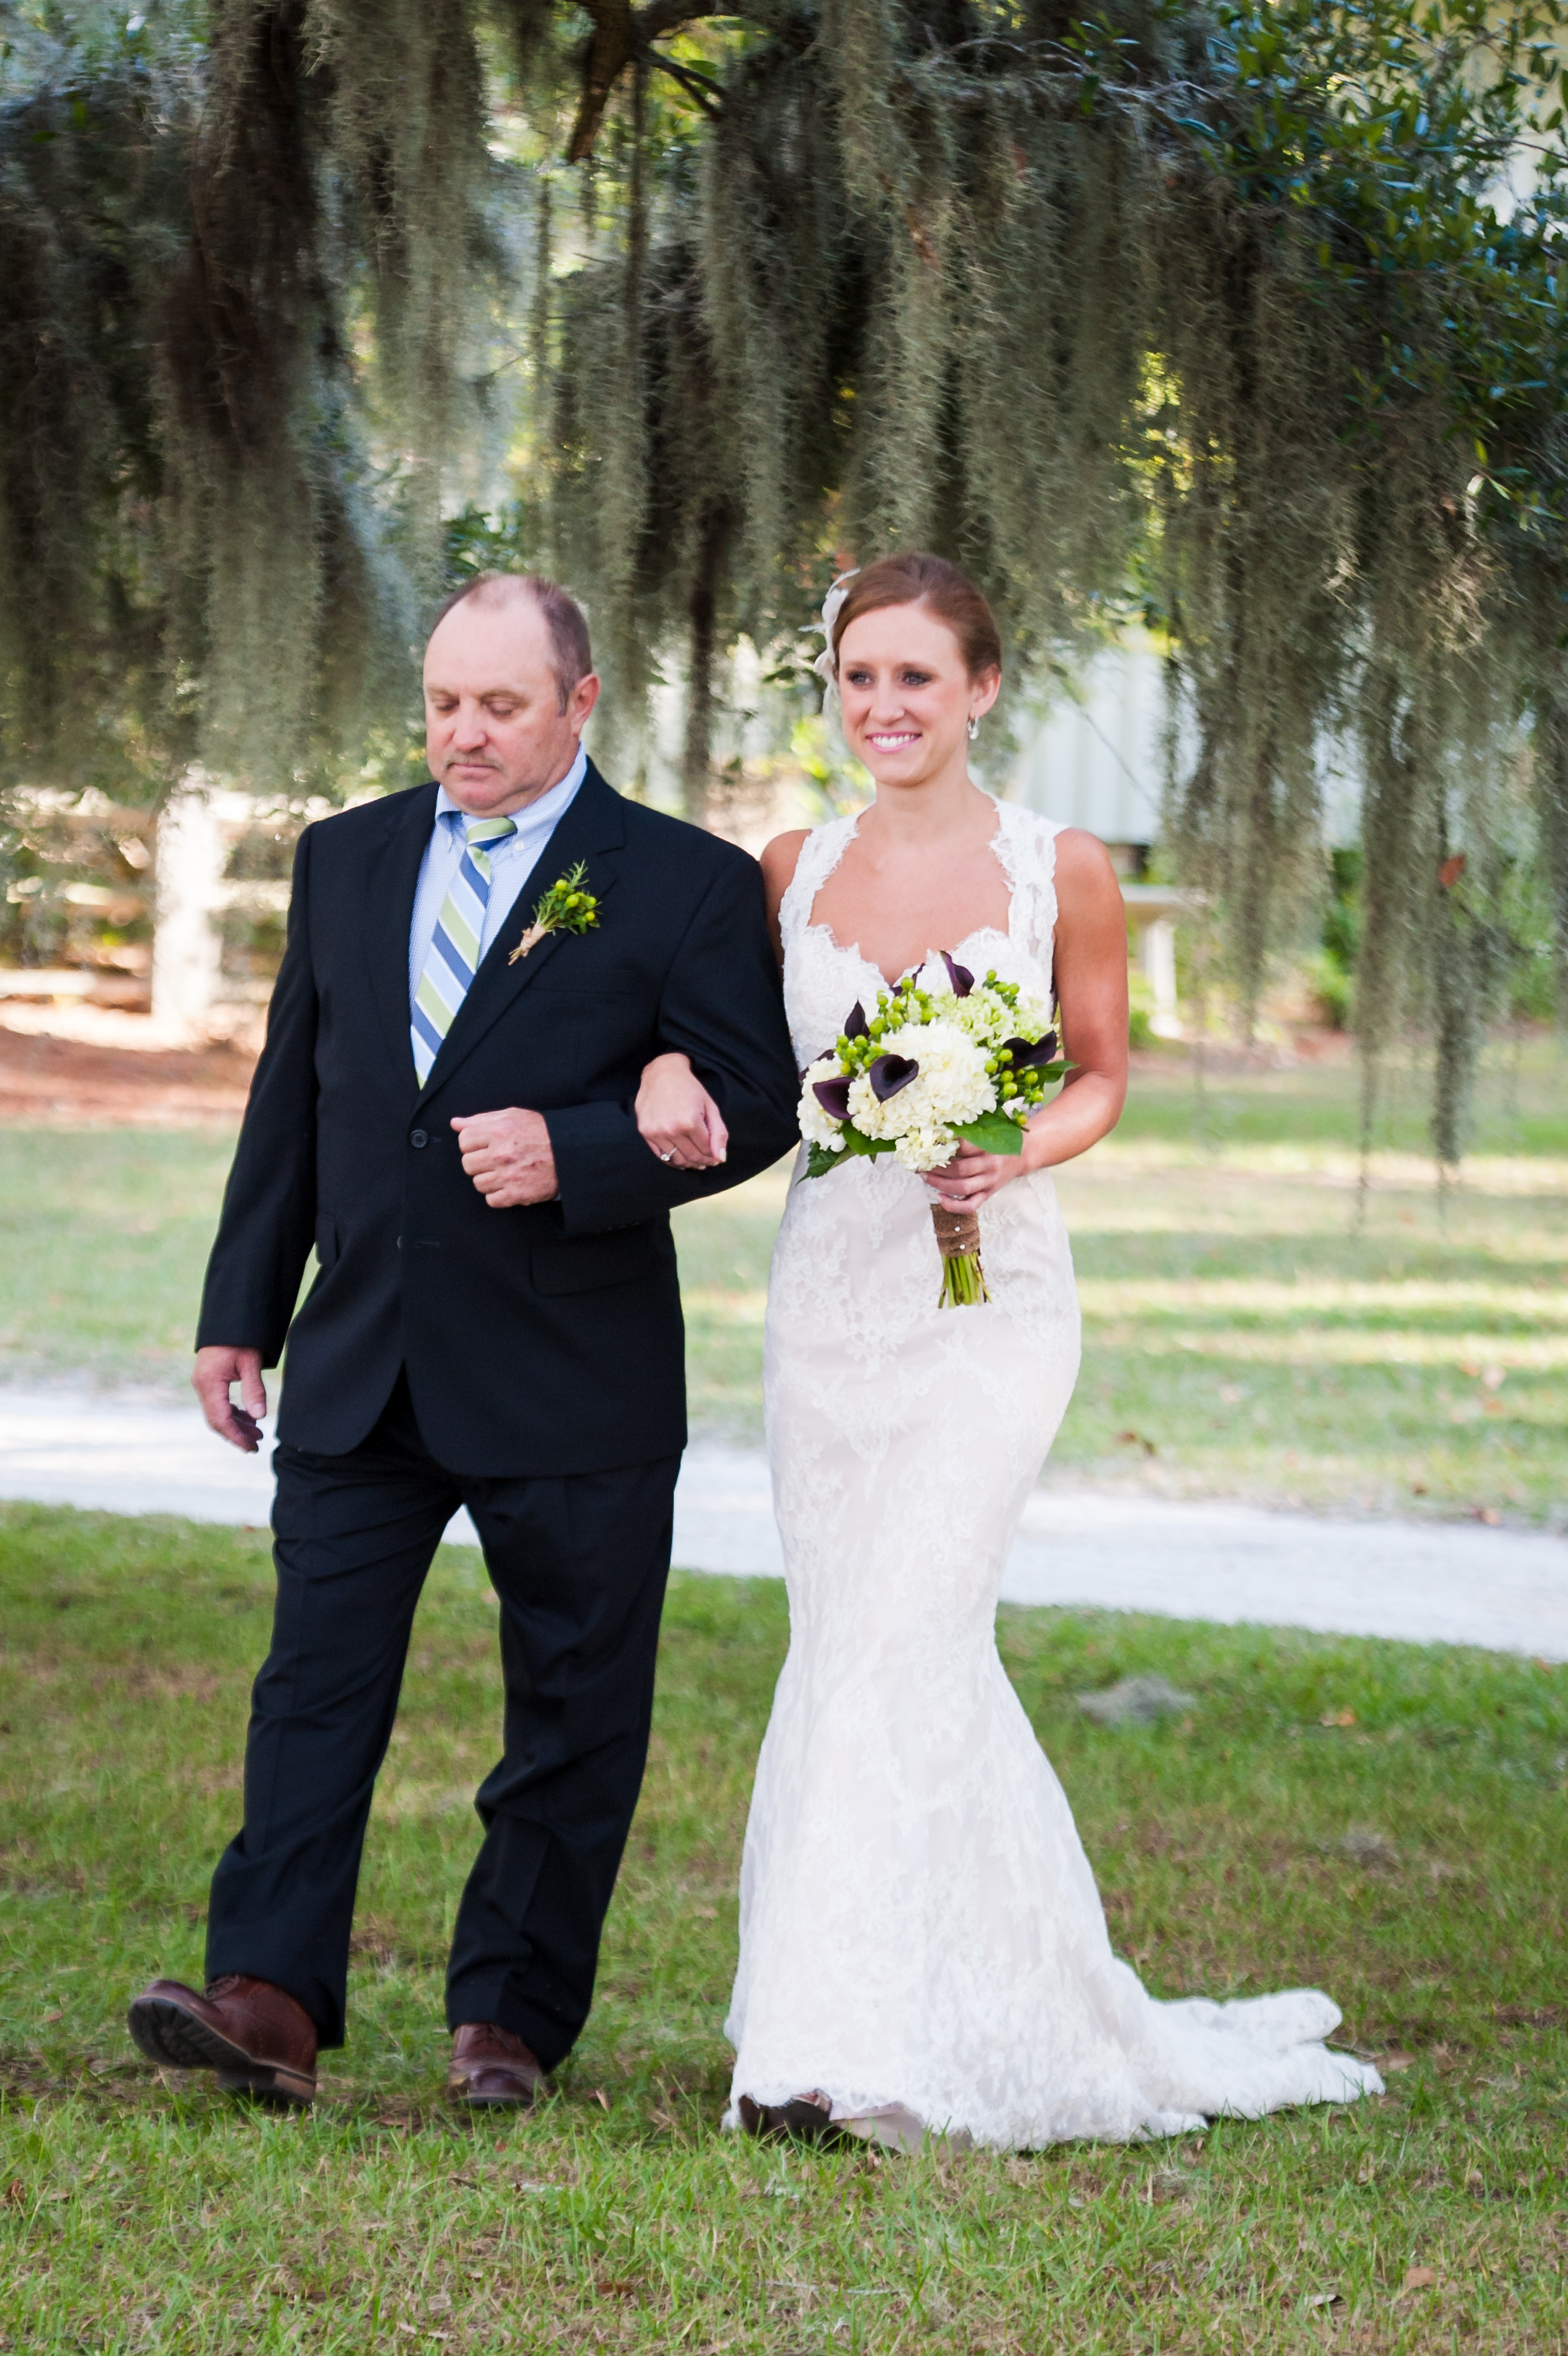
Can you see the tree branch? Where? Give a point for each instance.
(620, 33)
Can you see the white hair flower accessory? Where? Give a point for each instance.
(825, 665)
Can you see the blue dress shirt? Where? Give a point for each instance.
(511, 862)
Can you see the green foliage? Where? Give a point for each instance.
(246, 259)
(1241, 317)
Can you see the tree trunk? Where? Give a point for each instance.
(1550, 782)
(701, 617)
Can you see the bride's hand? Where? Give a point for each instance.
(677, 1118)
(972, 1177)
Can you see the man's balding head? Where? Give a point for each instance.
(508, 690)
(563, 618)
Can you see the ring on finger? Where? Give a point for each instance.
(670, 1156)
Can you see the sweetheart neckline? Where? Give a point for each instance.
(1003, 932)
(852, 949)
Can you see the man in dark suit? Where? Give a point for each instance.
(495, 1323)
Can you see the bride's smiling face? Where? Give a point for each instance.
(907, 695)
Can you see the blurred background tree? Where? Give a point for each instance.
(1243, 322)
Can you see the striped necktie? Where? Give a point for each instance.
(453, 958)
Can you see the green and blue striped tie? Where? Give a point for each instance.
(453, 957)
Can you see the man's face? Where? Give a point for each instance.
(495, 734)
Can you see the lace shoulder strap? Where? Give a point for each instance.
(1027, 846)
(820, 854)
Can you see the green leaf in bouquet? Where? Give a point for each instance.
(993, 1132)
(821, 1159)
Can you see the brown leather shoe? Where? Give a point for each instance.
(492, 2068)
(255, 2036)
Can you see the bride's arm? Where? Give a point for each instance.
(778, 864)
(676, 1117)
(1090, 972)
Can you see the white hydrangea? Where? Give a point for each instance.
(927, 1147)
(819, 1126)
(953, 1083)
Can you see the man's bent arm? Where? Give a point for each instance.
(723, 1008)
(268, 1221)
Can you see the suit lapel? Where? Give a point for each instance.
(391, 878)
(591, 830)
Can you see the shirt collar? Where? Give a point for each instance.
(548, 806)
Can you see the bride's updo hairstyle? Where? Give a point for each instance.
(932, 582)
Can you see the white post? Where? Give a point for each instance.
(1157, 956)
(186, 947)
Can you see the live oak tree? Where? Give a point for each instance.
(1242, 320)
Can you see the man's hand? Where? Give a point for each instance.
(509, 1157)
(215, 1369)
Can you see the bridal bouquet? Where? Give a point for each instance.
(944, 1060)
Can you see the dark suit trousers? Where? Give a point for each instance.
(579, 1564)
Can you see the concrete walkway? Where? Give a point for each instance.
(1434, 1582)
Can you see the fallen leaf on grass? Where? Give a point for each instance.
(45, 2018)
(15, 2193)
(1393, 2061)
(1324, 2298)
(1136, 1440)
(1418, 2278)
(1337, 1718)
(1136, 1702)
(602, 2099)
(1369, 1847)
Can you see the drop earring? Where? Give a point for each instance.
(973, 726)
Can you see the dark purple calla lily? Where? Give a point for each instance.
(1037, 1051)
(834, 1096)
(856, 1024)
(888, 1074)
(960, 975)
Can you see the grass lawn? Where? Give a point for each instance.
(1383, 1820)
(1247, 1333)
(1251, 1328)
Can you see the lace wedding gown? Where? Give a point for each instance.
(921, 1934)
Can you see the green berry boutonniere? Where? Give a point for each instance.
(565, 909)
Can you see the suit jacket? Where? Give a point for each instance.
(546, 1339)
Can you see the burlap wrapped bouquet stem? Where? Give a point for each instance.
(958, 1240)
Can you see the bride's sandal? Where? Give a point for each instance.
(807, 2119)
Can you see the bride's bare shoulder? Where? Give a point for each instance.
(1083, 864)
(779, 862)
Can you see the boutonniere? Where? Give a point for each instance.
(565, 909)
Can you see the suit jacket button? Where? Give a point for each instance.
(418, 1137)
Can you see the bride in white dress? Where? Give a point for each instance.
(922, 1946)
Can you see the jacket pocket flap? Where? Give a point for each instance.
(584, 1266)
